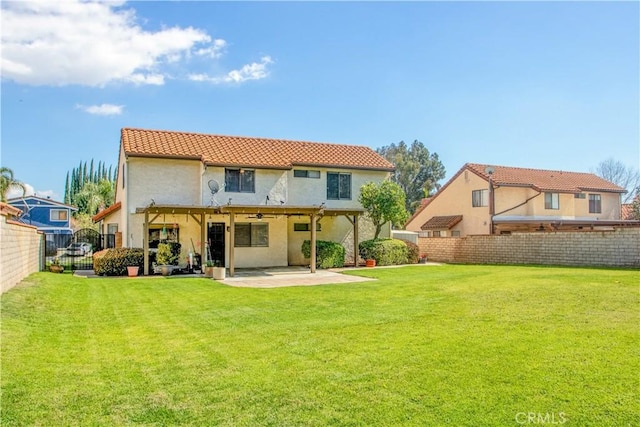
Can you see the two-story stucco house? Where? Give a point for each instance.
(487, 199)
(240, 201)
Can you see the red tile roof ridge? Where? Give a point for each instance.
(239, 151)
(260, 138)
(484, 166)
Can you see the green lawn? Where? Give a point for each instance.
(447, 345)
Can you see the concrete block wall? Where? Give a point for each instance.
(616, 248)
(21, 248)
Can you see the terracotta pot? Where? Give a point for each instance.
(132, 270)
(371, 263)
(208, 272)
(56, 268)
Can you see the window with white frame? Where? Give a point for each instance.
(480, 198)
(551, 201)
(59, 214)
(595, 203)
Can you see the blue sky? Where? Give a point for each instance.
(549, 85)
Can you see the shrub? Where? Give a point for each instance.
(328, 254)
(413, 252)
(168, 253)
(384, 251)
(114, 262)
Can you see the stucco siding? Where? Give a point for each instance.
(166, 181)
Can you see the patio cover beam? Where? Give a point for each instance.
(315, 212)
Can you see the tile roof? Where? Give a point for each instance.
(440, 222)
(103, 213)
(545, 180)
(222, 150)
(627, 212)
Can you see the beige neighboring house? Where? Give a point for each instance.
(240, 201)
(488, 199)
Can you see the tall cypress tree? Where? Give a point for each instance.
(67, 195)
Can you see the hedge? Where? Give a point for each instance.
(413, 252)
(328, 254)
(114, 262)
(384, 251)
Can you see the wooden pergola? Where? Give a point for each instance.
(199, 213)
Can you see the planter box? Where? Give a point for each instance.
(218, 273)
(371, 263)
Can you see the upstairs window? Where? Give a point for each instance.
(479, 198)
(551, 201)
(595, 203)
(338, 186)
(239, 180)
(59, 214)
(299, 173)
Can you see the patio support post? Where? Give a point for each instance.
(145, 243)
(313, 243)
(232, 242)
(356, 254)
(203, 240)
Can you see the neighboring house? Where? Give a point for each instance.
(485, 199)
(51, 217)
(627, 212)
(240, 201)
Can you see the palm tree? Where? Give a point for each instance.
(95, 196)
(7, 182)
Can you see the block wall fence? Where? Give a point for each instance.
(21, 250)
(615, 248)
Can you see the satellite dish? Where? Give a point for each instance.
(214, 186)
(489, 170)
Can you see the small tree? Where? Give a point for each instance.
(635, 206)
(384, 203)
(618, 173)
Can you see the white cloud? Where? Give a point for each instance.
(215, 50)
(253, 71)
(17, 192)
(91, 43)
(103, 109)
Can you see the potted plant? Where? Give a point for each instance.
(423, 259)
(166, 259)
(218, 271)
(55, 266)
(208, 269)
